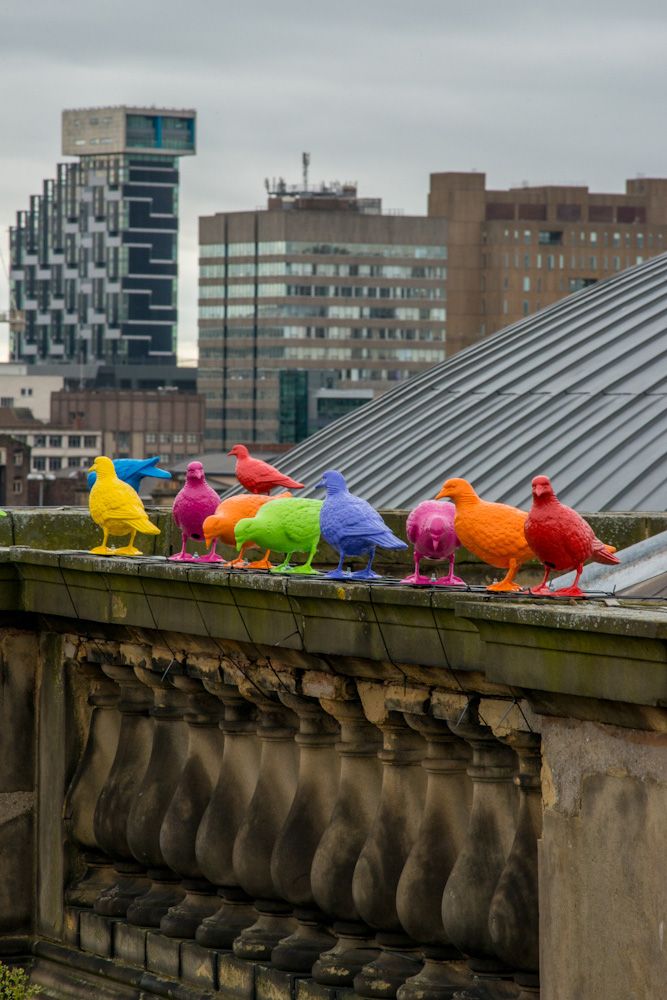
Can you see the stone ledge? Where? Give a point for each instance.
(588, 650)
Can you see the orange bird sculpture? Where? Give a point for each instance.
(491, 531)
(257, 476)
(227, 515)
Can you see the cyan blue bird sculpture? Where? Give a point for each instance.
(133, 470)
(352, 526)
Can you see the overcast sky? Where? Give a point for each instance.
(383, 92)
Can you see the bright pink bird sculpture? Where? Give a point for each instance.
(192, 505)
(561, 539)
(430, 528)
(257, 476)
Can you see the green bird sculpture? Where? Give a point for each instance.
(290, 525)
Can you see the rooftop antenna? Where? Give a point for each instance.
(305, 160)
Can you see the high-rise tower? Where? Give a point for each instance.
(94, 258)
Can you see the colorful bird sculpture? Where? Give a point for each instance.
(257, 476)
(133, 470)
(286, 525)
(491, 531)
(220, 526)
(117, 508)
(352, 526)
(430, 528)
(192, 505)
(561, 539)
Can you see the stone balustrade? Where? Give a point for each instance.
(297, 790)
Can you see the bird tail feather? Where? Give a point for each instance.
(604, 553)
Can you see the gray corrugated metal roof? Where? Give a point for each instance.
(577, 392)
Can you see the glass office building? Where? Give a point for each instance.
(94, 257)
(352, 301)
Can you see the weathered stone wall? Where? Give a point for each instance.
(19, 655)
(250, 783)
(603, 900)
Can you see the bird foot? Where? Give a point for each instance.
(541, 591)
(569, 592)
(235, 564)
(450, 581)
(260, 564)
(128, 550)
(283, 568)
(304, 570)
(337, 574)
(182, 557)
(102, 550)
(365, 574)
(211, 557)
(417, 579)
(504, 588)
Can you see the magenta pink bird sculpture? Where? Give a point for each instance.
(192, 505)
(430, 528)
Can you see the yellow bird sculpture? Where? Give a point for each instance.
(117, 508)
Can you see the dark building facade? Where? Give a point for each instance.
(319, 292)
(94, 257)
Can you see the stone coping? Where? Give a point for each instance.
(603, 649)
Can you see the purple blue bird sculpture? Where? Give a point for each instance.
(133, 470)
(352, 526)
(192, 505)
(430, 528)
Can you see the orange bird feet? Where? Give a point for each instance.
(262, 563)
(504, 587)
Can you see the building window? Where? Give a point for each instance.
(526, 284)
(550, 237)
(55, 441)
(55, 463)
(526, 307)
(6, 401)
(18, 458)
(90, 441)
(17, 487)
(192, 438)
(74, 441)
(150, 438)
(39, 463)
(178, 439)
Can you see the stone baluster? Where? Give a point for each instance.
(514, 914)
(339, 849)
(88, 782)
(135, 739)
(264, 819)
(297, 842)
(223, 818)
(178, 833)
(467, 897)
(378, 870)
(170, 741)
(440, 839)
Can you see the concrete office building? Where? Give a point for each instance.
(511, 253)
(309, 308)
(94, 257)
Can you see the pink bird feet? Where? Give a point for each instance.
(451, 580)
(417, 579)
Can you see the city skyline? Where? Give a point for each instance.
(382, 96)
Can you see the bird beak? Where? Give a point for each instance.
(92, 468)
(441, 494)
(320, 486)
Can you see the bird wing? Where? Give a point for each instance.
(115, 501)
(260, 475)
(494, 532)
(356, 519)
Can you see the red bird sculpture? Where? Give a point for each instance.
(257, 476)
(561, 539)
